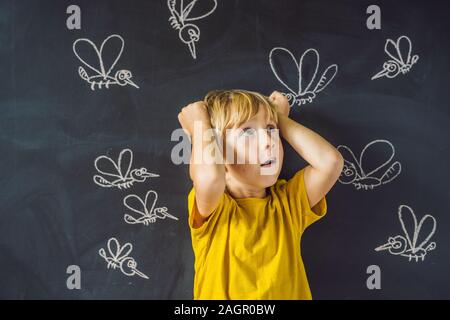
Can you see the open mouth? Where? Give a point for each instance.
(269, 162)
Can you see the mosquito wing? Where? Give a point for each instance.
(281, 70)
(124, 162)
(326, 78)
(350, 160)
(119, 252)
(188, 9)
(426, 229)
(408, 222)
(107, 167)
(404, 48)
(90, 48)
(393, 51)
(310, 58)
(135, 204)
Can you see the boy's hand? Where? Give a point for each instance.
(281, 102)
(193, 112)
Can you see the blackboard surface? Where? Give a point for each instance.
(54, 126)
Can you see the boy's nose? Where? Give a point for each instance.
(267, 140)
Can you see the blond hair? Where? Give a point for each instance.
(231, 108)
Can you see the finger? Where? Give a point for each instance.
(184, 127)
(275, 92)
(275, 96)
(187, 133)
(181, 119)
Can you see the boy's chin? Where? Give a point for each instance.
(270, 172)
(268, 180)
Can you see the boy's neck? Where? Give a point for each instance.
(246, 192)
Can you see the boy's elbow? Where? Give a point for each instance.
(336, 163)
(213, 182)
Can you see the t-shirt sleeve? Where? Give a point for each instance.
(302, 213)
(208, 226)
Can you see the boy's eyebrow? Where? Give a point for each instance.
(269, 121)
(249, 120)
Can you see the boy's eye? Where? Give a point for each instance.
(247, 131)
(271, 129)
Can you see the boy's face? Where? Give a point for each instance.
(257, 152)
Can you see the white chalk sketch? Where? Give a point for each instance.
(117, 257)
(119, 174)
(356, 171)
(114, 45)
(188, 33)
(401, 60)
(414, 244)
(308, 87)
(147, 214)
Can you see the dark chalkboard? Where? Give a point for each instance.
(63, 129)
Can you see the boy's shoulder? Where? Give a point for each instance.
(282, 183)
(279, 186)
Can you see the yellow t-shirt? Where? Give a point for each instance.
(250, 248)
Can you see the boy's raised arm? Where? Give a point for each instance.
(325, 161)
(207, 174)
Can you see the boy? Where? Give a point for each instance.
(246, 223)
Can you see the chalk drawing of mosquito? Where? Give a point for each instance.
(102, 76)
(119, 174)
(117, 257)
(409, 245)
(147, 214)
(188, 32)
(401, 60)
(307, 87)
(357, 171)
